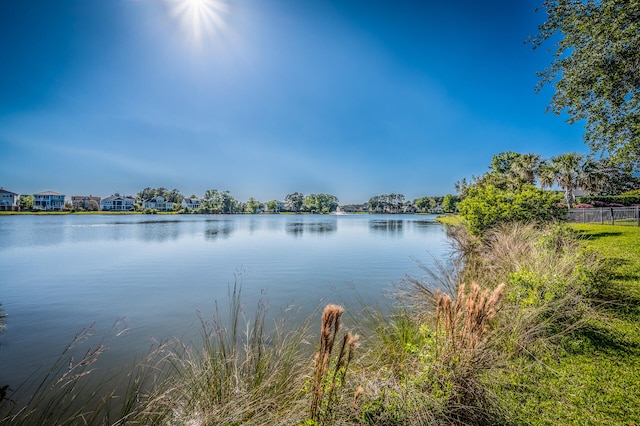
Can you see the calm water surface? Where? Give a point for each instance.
(62, 273)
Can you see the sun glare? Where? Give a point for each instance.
(200, 18)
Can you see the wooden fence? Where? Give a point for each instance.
(608, 215)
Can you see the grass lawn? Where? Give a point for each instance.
(595, 379)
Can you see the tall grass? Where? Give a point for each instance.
(64, 395)
(240, 374)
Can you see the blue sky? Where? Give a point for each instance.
(268, 97)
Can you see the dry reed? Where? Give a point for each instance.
(330, 375)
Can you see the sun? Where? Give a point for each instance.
(200, 18)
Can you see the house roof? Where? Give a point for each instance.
(49, 193)
(119, 197)
(4, 191)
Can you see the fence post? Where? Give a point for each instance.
(638, 214)
(613, 221)
(601, 216)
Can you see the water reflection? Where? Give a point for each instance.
(391, 226)
(297, 229)
(218, 229)
(158, 230)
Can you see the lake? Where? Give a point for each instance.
(62, 273)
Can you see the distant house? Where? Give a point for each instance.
(158, 203)
(191, 203)
(49, 201)
(118, 203)
(9, 201)
(84, 201)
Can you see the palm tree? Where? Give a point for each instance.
(524, 167)
(569, 173)
(546, 174)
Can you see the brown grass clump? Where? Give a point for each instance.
(465, 346)
(330, 375)
(465, 321)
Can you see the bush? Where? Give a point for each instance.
(627, 199)
(485, 207)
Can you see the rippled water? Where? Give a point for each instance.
(61, 273)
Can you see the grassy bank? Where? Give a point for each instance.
(593, 376)
(528, 325)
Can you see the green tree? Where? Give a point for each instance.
(272, 206)
(93, 206)
(487, 206)
(211, 201)
(387, 203)
(524, 168)
(294, 201)
(448, 203)
(595, 71)
(309, 204)
(174, 196)
(422, 203)
(326, 203)
(26, 202)
(252, 206)
(569, 175)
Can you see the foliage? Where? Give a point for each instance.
(272, 206)
(386, 203)
(215, 201)
(448, 203)
(294, 201)
(485, 207)
(570, 171)
(149, 194)
(596, 71)
(425, 204)
(253, 206)
(604, 201)
(508, 170)
(320, 203)
(26, 202)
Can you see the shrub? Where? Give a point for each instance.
(626, 199)
(488, 206)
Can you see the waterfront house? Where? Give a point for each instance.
(84, 201)
(158, 203)
(118, 203)
(9, 201)
(48, 201)
(191, 203)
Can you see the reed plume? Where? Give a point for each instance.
(330, 375)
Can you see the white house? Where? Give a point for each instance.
(9, 201)
(191, 203)
(158, 203)
(118, 203)
(48, 200)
